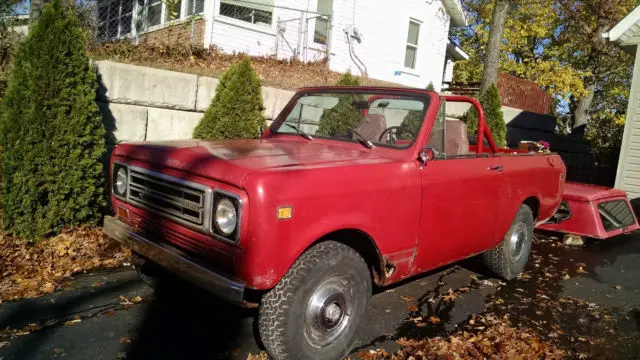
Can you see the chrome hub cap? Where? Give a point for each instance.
(328, 312)
(517, 241)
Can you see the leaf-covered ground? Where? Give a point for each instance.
(29, 270)
(551, 311)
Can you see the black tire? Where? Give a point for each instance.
(509, 258)
(327, 277)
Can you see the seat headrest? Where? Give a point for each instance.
(457, 141)
(372, 126)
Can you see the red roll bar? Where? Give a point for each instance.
(483, 129)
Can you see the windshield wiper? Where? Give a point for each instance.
(362, 139)
(300, 132)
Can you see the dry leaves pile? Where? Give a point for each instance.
(490, 338)
(30, 270)
(286, 74)
(486, 338)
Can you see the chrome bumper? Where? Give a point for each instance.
(176, 261)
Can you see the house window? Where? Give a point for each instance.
(195, 7)
(412, 45)
(115, 18)
(172, 10)
(154, 12)
(325, 9)
(254, 13)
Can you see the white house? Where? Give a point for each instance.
(405, 42)
(627, 35)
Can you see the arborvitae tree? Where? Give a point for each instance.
(236, 109)
(412, 124)
(492, 106)
(430, 87)
(51, 132)
(337, 120)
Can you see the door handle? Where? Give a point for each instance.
(497, 168)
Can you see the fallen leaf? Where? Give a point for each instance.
(434, 319)
(125, 340)
(408, 298)
(412, 307)
(581, 270)
(136, 299)
(72, 322)
(618, 287)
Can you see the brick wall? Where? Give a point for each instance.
(523, 94)
(181, 32)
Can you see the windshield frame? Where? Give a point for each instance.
(418, 94)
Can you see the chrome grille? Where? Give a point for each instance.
(177, 199)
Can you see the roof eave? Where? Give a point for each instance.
(627, 31)
(456, 52)
(455, 10)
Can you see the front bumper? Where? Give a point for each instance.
(176, 261)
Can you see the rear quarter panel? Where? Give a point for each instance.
(378, 197)
(533, 176)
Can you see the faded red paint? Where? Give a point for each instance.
(419, 218)
(583, 200)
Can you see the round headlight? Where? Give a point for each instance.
(121, 182)
(226, 217)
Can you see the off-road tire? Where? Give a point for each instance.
(499, 260)
(283, 310)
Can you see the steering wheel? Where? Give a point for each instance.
(393, 133)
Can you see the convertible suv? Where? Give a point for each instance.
(349, 187)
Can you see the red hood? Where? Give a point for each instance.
(230, 160)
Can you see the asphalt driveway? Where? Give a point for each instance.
(586, 299)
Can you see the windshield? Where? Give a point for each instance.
(373, 119)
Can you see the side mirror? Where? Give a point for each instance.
(427, 154)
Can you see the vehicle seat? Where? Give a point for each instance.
(457, 141)
(372, 126)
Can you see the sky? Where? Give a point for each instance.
(23, 8)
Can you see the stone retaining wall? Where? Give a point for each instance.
(145, 104)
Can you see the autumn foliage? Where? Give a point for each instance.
(30, 270)
(497, 340)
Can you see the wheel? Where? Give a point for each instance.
(315, 310)
(509, 258)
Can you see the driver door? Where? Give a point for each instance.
(461, 201)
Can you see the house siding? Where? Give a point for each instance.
(384, 27)
(628, 174)
(232, 35)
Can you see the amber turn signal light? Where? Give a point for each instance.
(285, 212)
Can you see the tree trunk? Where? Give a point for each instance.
(583, 104)
(492, 56)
